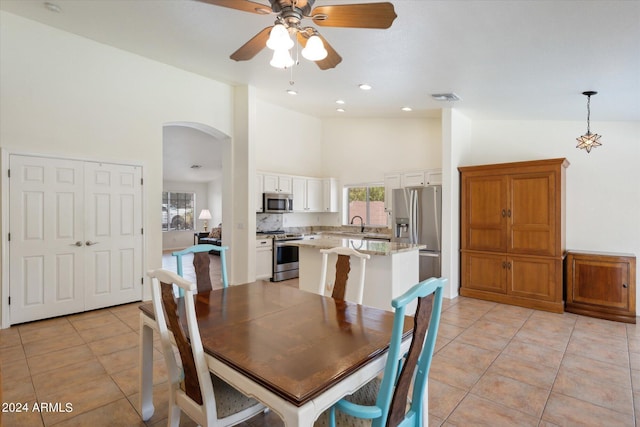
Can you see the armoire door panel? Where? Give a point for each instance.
(484, 272)
(532, 277)
(531, 224)
(484, 206)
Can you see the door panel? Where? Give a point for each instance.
(532, 221)
(45, 221)
(76, 241)
(484, 209)
(532, 277)
(484, 272)
(113, 234)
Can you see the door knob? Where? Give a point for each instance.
(90, 243)
(78, 243)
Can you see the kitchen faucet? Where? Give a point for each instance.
(361, 222)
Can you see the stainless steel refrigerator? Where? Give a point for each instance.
(417, 218)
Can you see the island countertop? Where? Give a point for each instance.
(371, 247)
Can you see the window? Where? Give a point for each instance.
(177, 211)
(366, 202)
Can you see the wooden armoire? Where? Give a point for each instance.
(512, 231)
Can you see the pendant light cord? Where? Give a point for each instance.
(588, 113)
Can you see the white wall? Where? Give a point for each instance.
(603, 187)
(360, 150)
(214, 203)
(175, 240)
(456, 139)
(287, 142)
(68, 96)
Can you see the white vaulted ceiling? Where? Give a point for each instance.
(517, 59)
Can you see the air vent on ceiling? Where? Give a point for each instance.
(446, 97)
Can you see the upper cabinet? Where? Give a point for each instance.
(412, 179)
(408, 179)
(330, 195)
(391, 182)
(277, 184)
(258, 192)
(307, 194)
(433, 177)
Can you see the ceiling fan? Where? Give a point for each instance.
(290, 14)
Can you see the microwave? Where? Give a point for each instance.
(277, 202)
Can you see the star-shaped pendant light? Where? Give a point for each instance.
(589, 140)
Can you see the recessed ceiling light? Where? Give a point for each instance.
(365, 86)
(52, 7)
(446, 97)
(292, 92)
(340, 102)
(407, 109)
(340, 110)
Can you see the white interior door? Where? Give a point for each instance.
(113, 234)
(46, 258)
(75, 236)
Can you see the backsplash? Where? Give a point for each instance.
(274, 222)
(268, 222)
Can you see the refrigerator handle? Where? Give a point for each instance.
(414, 216)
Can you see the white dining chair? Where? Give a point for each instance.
(337, 289)
(202, 396)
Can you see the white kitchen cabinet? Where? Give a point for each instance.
(299, 191)
(413, 179)
(433, 177)
(330, 195)
(277, 184)
(307, 194)
(315, 199)
(264, 258)
(258, 192)
(391, 182)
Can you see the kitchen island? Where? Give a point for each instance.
(392, 269)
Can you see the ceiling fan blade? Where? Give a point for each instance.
(244, 5)
(332, 59)
(365, 15)
(252, 47)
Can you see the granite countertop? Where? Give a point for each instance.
(371, 247)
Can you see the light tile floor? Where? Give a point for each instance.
(494, 365)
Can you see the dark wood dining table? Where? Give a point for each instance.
(295, 351)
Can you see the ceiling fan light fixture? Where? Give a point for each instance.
(279, 38)
(281, 59)
(314, 50)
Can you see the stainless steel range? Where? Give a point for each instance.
(285, 257)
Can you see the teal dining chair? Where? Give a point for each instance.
(201, 263)
(386, 402)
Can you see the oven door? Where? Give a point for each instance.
(285, 261)
(284, 257)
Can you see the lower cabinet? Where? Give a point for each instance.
(264, 258)
(601, 285)
(528, 281)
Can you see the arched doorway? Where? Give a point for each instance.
(196, 159)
